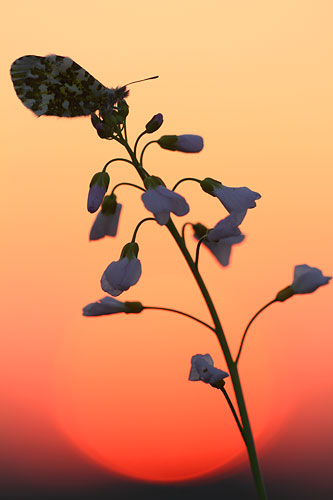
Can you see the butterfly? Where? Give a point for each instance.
(58, 86)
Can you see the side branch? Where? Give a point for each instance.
(182, 313)
(248, 326)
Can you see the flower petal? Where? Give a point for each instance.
(105, 224)
(104, 306)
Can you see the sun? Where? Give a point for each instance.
(123, 398)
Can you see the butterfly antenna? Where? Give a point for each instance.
(137, 81)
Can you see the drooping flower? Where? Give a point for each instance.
(154, 124)
(97, 189)
(124, 273)
(187, 143)
(161, 201)
(108, 305)
(202, 368)
(234, 199)
(306, 280)
(220, 239)
(106, 222)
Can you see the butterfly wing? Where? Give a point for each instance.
(57, 86)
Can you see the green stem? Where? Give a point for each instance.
(248, 326)
(137, 141)
(182, 313)
(233, 411)
(183, 229)
(115, 159)
(198, 249)
(144, 149)
(230, 363)
(139, 224)
(183, 180)
(247, 433)
(127, 184)
(141, 171)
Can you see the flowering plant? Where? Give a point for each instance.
(161, 202)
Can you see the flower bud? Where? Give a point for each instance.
(154, 124)
(97, 189)
(186, 143)
(123, 108)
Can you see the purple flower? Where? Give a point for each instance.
(306, 280)
(124, 273)
(220, 239)
(98, 187)
(234, 199)
(106, 224)
(108, 305)
(186, 143)
(161, 201)
(202, 368)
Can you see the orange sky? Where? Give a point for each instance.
(255, 80)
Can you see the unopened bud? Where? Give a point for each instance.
(154, 124)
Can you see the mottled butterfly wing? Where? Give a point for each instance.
(58, 86)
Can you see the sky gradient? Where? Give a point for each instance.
(255, 80)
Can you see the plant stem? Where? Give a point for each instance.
(247, 433)
(230, 363)
(116, 159)
(139, 224)
(182, 313)
(198, 249)
(144, 149)
(233, 411)
(248, 326)
(183, 180)
(127, 184)
(137, 141)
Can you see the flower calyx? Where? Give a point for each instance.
(209, 185)
(200, 231)
(133, 307)
(109, 204)
(152, 181)
(130, 250)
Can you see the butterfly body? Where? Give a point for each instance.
(57, 86)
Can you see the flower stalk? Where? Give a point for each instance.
(244, 422)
